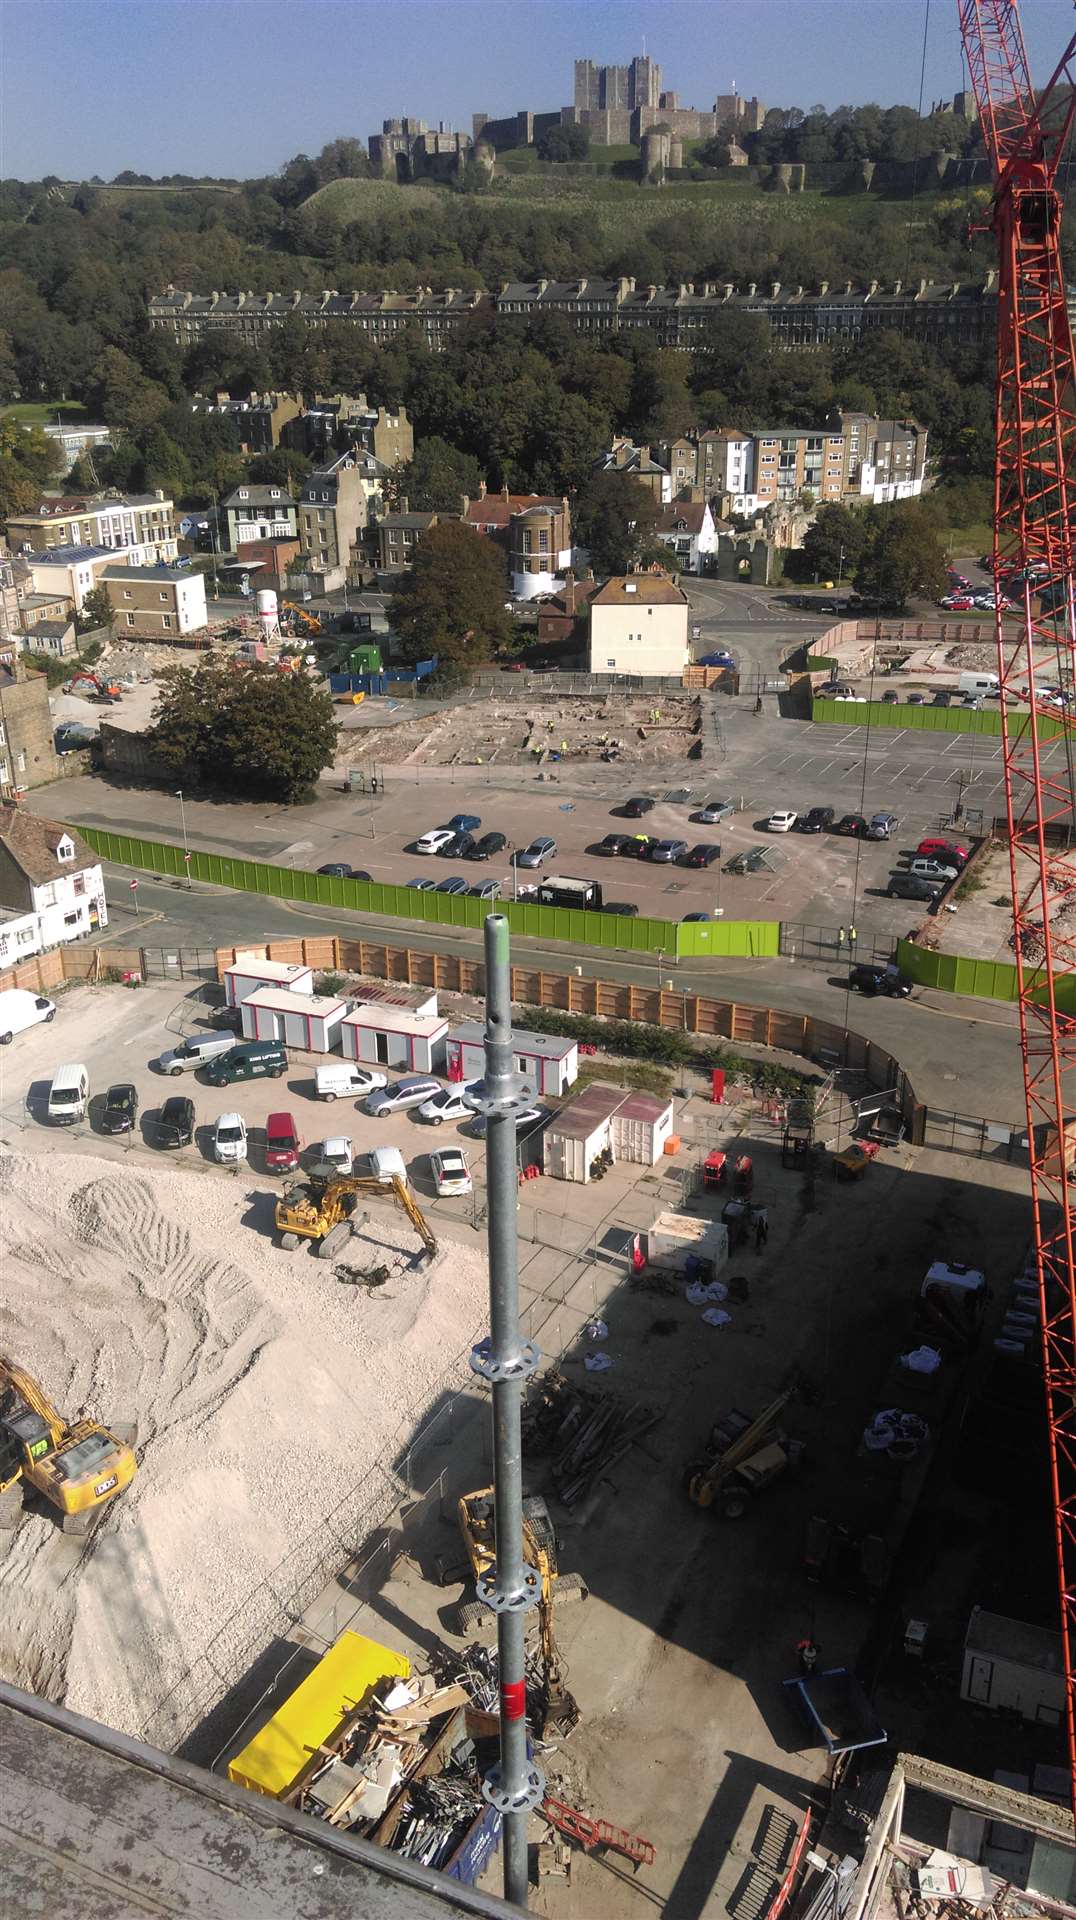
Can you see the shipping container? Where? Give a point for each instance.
(288, 1747)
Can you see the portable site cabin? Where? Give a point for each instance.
(675, 1239)
(309, 1021)
(632, 1126)
(547, 1060)
(394, 1037)
(290, 1746)
(385, 993)
(1011, 1665)
(249, 972)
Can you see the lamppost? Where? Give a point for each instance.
(183, 829)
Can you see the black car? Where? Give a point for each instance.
(627, 909)
(612, 844)
(852, 824)
(459, 847)
(634, 809)
(637, 846)
(703, 855)
(336, 870)
(911, 886)
(816, 819)
(175, 1122)
(867, 979)
(120, 1109)
(489, 844)
(359, 873)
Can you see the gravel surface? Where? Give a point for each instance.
(262, 1389)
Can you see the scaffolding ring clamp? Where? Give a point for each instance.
(509, 1599)
(528, 1795)
(521, 1365)
(510, 1093)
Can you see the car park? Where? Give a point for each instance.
(450, 1173)
(782, 821)
(336, 870)
(283, 1143)
(120, 1110)
(19, 1009)
(436, 839)
(454, 884)
(175, 1122)
(534, 854)
(613, 843)
(873, 979)
(852, 824)
(912, 886)
(934, 870)
(486, 890)
(663, 851)
(950, 850)
(465, 822)
(713, 812)
(230, 1139)
(703, 855)
(816, 820)
(335, 1152)
(448, 1103)
(403, 1094)
(635, 808)
(882, 826)
(339, 1079)
(489, 844)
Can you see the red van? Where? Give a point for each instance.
(282, 1143)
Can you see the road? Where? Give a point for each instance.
(960, 1054)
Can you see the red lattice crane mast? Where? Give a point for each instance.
(1035, 529)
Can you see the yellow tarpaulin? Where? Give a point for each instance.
(272, 1762)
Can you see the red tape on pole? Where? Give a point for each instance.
(514, 1699)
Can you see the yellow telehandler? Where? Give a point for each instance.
(323, 1211)
(77, 1467)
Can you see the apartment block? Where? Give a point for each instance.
(156, 602)
(332, 513)
(259, 420)
(398, 534)
(249, 316)
(726, 467)
(142, 524)
(64, 574)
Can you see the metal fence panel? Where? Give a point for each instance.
(895, 714)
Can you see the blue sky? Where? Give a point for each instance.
(236, 87)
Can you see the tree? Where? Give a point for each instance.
(438, 476)
(452, 603)
(716, 152)
(97, 610)
(615, 520)
(564, 143)
(260, 733)
(834, 542)
(902, 554)
(283, 467)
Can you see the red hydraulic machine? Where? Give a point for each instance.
(1034, 533)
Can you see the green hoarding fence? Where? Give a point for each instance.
(882, 713)
(610, 931)
(986, 979)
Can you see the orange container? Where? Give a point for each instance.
(672, 1144)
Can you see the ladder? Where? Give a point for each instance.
(598, 1833)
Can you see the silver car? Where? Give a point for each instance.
(406, 1093)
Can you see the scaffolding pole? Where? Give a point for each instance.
(510, 1587)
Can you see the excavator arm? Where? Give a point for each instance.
(24, 1384)
(318, 1211)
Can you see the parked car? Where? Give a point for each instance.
(435, 840)
(637, 846)
(459, 847)
(195, 1052)
(912, 886)
(486, 890)
(852, 824)
(527, 1118)
(713, 812)
(403, 1094)
(454, 884)
(957, 603)
(782, 821)
(613, 843)
(175, 1122)
(447, 1103)
(703, 855)
(230, 1139)
(816, 819)
(335, 1152)
(283, 1143)
(465, 822)
(338, 1079)
(722, 658)
(489, 844)
(663, 851)
(874, 979)
(690, 917)
(882, 826)
(890, 697)
(120, 1110)
(449, 1172)
(336, 870)
(626, 909)
(422, 886)
(935, 848)
(916, 700)
(934, 869)
(19, 1009)
(634, 809)
(360, 873)
(539, 850)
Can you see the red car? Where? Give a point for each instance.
(938, 849)
(957, 603)
(282, 1143)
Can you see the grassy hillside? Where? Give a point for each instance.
(345, 200)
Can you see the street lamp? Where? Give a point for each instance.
(183, 829)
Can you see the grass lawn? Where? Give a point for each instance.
(43, 413)
(346, 200)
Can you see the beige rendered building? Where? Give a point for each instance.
(156, 602)
(332, 513)
(638, 624)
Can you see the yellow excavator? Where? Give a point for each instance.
(324, 1211)
(77, 1467)
(475, 1512)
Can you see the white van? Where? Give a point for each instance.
(19, 1009)
(342, 1078)
(195, 1052)
(68, 1095)
(978, 683)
